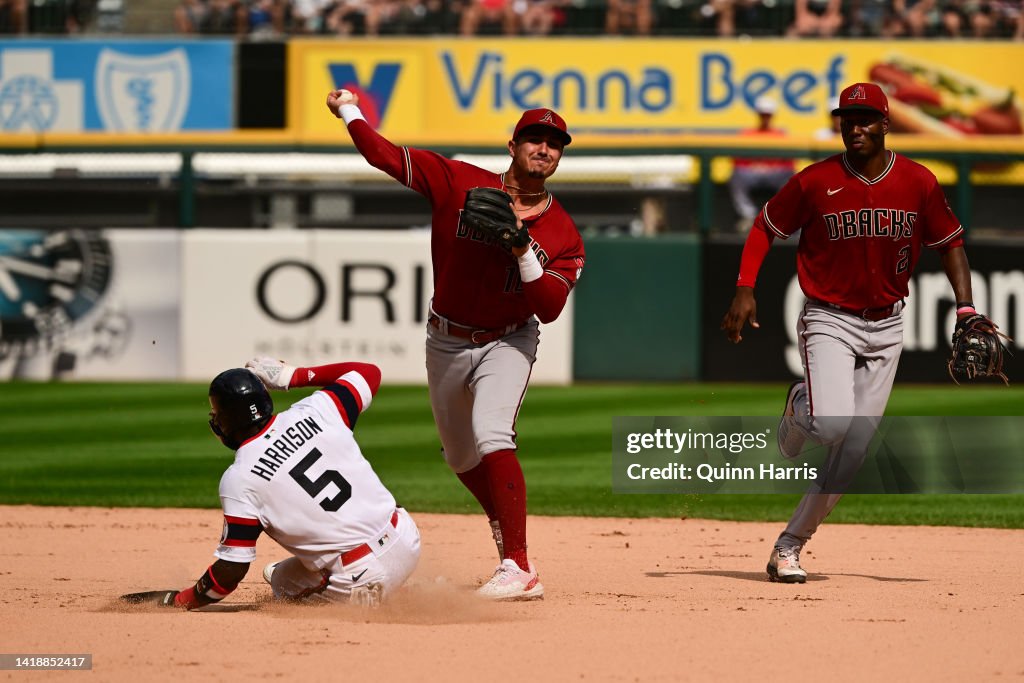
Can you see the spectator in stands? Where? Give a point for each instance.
(753, 174)
(629, 16)
(1013, 14)
(225, 17)
(724, 14)
(311, 16)
(536, 17)
(403, 17)
(436, 18)
(212, 17)
(488, 16)
(960, 15)
(13, 16)
(266, 18)
(1007, 16)
(341, 18)
(188, 15)
(816, 18)
(871, 19)
(918, 18)
(744, 16)
(80, 15)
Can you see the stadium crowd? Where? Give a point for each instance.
(794, 18)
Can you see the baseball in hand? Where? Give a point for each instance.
(346, 97)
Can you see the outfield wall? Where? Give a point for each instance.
(638, 309)
(771, 353)
(152, 304)
(171, 305)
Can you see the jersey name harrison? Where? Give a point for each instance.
(284, 446)
(895, 223)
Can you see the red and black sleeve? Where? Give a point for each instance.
(241, 532)
(347, 400)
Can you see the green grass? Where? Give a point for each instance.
(148, 445)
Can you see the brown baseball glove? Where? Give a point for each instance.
(978, 350)
(489, 210)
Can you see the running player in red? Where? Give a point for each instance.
(300, 477)
(483, 325)
(863, 217)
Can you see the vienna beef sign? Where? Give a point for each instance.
(471, 92)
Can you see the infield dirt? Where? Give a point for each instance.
(626, 600)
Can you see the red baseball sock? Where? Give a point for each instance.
(478, 484)
(508, 493)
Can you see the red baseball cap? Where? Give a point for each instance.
(542, 117)
(862, 97)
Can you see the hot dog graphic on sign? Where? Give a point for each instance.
(929, 98)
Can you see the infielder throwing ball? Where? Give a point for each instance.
(505, 254)
(300, 477)
(864, 216)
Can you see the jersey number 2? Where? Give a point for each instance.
(313, 488)
(901, 265)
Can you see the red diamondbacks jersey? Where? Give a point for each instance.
(305, 481)
(476, 283)
(860, 238)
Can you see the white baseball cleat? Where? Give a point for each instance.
(791, 439)
(268, 571)
(512, 583)
(784, 566)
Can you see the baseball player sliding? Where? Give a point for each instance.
(490, 290)
(864, 216)
(300, 477)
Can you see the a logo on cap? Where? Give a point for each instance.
(547, 118)
(858, 93)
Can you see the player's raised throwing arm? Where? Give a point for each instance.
(375, 148)
(423, 171)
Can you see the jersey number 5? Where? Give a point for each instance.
(313, 488)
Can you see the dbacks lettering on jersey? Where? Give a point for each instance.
(893, 223)
(476, 235)
(464, 231)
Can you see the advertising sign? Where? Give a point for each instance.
(472, 91)
(322, 296)
(89, 304)
(167, 304)
(117, 86)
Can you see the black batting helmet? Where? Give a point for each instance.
(241, 406)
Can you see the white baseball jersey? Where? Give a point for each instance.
(305, 482)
